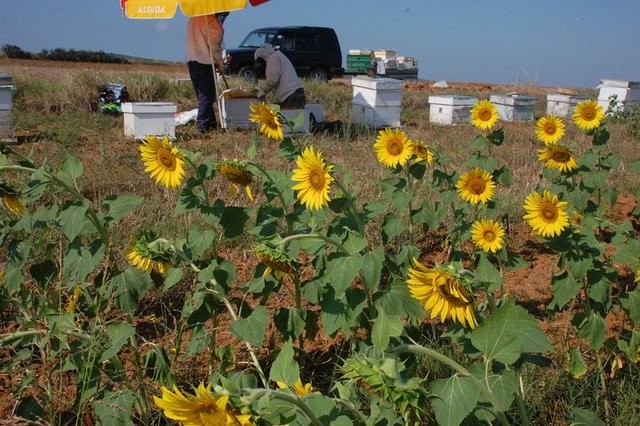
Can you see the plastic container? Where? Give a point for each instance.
(143, 119)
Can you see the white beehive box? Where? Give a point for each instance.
(376, 101)
(627, 93)
(235, 112)
(562, 105)
(149, 118)
(6, 101)
(451, 109)
(514, 107)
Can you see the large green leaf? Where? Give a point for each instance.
(576, 366)
(81, 260)
(584, 417)
(253, 328)
(72, 218)
(392, 227)
(342, 313)
(396, 300)
(486, 272)
(631, 303)
(285, 369)
(385, 327)
(371, 271)
(290, 321)
(453, 399)
(497, 338)
(118, 206)
(565, 288)
(118, 334)
(129, 287)
(198, 241)
(234, 220)
(115, 408)
(591, 327)
(70, 170)
(341, 271)
(504, 386)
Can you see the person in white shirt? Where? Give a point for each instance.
(204, 43)
(281, 78)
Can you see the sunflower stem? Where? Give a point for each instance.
(142, 390)
(280, 195)
(304, 408)
(484, 390)
(410, 184)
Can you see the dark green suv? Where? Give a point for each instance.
(313, 51)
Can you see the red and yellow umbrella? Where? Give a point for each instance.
(165, 9)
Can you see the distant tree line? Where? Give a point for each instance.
(72, 55)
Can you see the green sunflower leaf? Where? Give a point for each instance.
(234, 220)
(584, 417)
(384, 328)
(453, 399)
(341, 313)
(591, 327)
(341, 271)
(576, 365)
(631, 304)
(371, 270)
(565, 288)
(118, 206)
(253, 328)
(72, 218)
(70, 170)
(285, 369)
(115, 408)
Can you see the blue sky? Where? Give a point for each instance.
(568, 43)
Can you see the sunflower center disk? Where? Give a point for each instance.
(477, 186)
(166, 158)
(549, 213)
(589, 114)
(316, 179)
(550, 129)
(485, 115)
(489, 236)
(561, 156)
(395, 148)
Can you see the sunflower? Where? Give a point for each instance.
(546, 214)
(202, 409)
(637, 280)
(422, 152)
(588, 114)
(314, 178)
(237, 175)
(476, 186)
(148, 253)
(276, 261)
(298, 388)
(268, 119)
(484, 115)
(488, 235)
(73, 300)
(557, 157)
(441, 294)
(576, 220)
(10, 199)
(393, 147)
(549, 129)
(163, 161)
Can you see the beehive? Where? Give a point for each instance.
(514, 107)
(451, 109)
(376, 101)
(562, 105)
(626, 93)
(142, 119)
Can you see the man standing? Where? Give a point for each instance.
(203, 43)
(281, 78)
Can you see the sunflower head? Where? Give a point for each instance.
(393, 147)
(557, 157)
(276, 261)
(546, 214)
(442, 294)
(149, 253)
(476, 186)
(73, 300)
(313, 179)
(484, 115)
(237, 174)
(298, 388)
(588, 115)
(200, 409)
(163, 161)
(268, 119)
(422, 152)
(549, 129)
(637, 280)
(488, 235)
(10, 199)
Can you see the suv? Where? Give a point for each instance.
(313, 51)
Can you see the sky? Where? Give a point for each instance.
(564, 43)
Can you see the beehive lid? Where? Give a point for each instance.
(459, 100)
(513, 99)
(377, 83)
(620, 83)
(149, 107)
(5, 79)
(359, 52)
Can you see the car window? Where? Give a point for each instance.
(257, 39)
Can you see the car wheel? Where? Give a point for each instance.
(248, 73)
(319, 74)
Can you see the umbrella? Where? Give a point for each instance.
(165, 9)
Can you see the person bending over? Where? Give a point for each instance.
(281, 79)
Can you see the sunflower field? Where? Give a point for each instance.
(263, 278)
